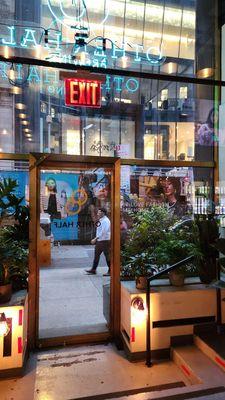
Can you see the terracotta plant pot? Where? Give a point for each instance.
(5, 293)
(176, 278)
(141, 282)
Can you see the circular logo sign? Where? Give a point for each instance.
(75, 13)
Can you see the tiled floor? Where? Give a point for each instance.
(76, 372)
(71, 302)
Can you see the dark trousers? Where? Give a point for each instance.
(102, 247)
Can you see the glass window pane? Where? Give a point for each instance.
(116, 34)
(151, 119)
(91, 137)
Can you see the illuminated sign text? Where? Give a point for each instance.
(48, 79)
(80, 92)
(61, 50)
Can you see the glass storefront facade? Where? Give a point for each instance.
(178, 37)
(140, 117)
(146, 55)
(136, 80)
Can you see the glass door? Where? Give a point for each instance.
(75, 252)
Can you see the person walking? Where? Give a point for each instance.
(101, 241)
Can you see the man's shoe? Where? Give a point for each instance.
(107, 274)
(90, 271)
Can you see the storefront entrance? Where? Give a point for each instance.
(69, 304)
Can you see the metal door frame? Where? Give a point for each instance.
(38, 161)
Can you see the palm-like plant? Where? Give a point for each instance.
(13, 238)
(9, 202)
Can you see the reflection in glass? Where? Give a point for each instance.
(71, 302)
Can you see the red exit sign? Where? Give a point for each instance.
(83, 93)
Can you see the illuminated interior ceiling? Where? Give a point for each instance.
(135, 10)
(163, 26)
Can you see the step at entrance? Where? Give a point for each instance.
(206, 394)
(196, 366)
(213, 345)
(159, 393)
(130, 393)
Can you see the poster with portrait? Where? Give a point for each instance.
(62, 199)
(168, 190)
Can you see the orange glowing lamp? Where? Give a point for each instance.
(4, 328)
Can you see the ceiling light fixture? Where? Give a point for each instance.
(16, 90)
(87, 127)
(205, 73)
(22, 115)
(20, 106)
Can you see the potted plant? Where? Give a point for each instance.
(149, 226)
(13, 241)
(139, 267)
(176, 246)
(5, 283)
(13, 267)
(157, 241)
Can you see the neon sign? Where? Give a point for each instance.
(59, 14)
(61, 50)
(49, 79)
(82, 93)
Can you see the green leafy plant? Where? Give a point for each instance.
(149, 226)
(9, 202)
(139, 265)
(176, 246)
(13, 262)
(14, 238)
(19, 231)
(157, 241)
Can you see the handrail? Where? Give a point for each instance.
(148, 322)
(169, 269)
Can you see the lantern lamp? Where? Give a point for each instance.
(138, 303)
(4, 327)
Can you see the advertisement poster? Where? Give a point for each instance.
(62, 199)
(168, 190)
(71, 201)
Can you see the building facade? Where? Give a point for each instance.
(137, 80)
